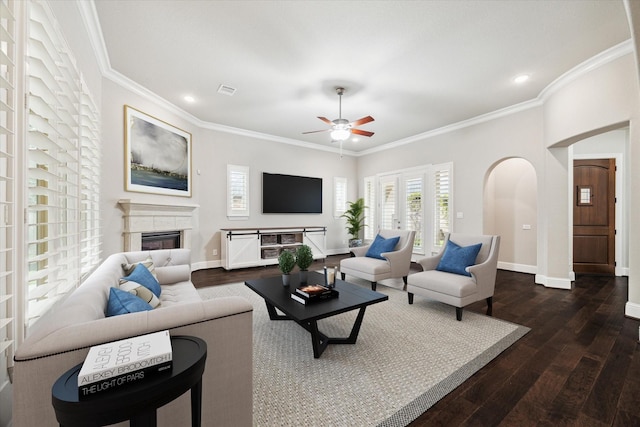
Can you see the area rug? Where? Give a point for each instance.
(407, 357)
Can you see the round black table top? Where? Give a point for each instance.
(189, 355)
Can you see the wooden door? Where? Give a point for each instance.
(594, 216)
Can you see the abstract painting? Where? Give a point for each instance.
(157, 155)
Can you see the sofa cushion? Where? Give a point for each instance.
(140, 291)
(381, 245)
(122, 302)
(456, 259)
(142, 276)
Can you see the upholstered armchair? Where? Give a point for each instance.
(388, 256)
(457, 276)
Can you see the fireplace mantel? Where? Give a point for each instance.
(155, 217)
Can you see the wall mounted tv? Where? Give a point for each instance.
(291, 194)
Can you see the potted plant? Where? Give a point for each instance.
(355, 221)
(304, 259)
(286, 262)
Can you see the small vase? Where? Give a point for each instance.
(303, 277)
(286, 279)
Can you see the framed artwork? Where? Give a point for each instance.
(157, 155)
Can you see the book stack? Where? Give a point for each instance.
(308, 294)
(113, 365)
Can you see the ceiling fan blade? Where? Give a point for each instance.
(316, 131)
(327, 121)
(361, 132)
(362, 121)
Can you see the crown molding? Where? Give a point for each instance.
(597, 61)
(92, 24)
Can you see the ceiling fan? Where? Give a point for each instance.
(341, 129)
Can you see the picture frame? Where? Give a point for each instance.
(157, 155)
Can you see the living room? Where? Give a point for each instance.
(597, 101)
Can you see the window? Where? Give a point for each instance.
(8, 191)
(237, 192)
(339, 196)
(370, 228)
(63, 158)
(442, 185)
(414, 211)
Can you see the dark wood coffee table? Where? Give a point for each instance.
(351, 297)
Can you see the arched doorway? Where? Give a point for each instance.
(510, 210)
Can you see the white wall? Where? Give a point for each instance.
(212, 150)
(510, 206)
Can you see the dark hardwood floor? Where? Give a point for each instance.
(578, 366)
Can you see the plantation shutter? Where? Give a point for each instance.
(90, 161)
(442, 175)
(414, 212)
(8, 190)
(63, 228)
(370, 208)
(237, 191)
(339, 196)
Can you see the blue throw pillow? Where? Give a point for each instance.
(142, 275)
(381, 245)
(456, 258)
(122, 302)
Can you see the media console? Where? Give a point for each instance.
(252, 247)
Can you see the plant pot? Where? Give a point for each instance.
(286, 279)
(303, 277)
(354, 243)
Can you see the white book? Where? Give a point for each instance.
(117, 358)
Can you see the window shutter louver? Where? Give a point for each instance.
(237, 191)
(8, 189)
(370, 208)
(442, 213)
(63, 175)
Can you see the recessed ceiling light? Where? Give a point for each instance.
(189, 98)
(521, 78)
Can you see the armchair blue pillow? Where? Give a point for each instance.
(456, 258)
(381, 245)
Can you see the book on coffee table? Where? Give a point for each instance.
(313, 298)
(310, 291)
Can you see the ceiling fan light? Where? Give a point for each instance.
(340, 134)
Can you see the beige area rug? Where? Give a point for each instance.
(407, 357)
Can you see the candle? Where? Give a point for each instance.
(331, 276)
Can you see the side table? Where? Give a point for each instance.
(138, 401)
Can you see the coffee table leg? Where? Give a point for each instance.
(144, 419)
(273, 314)
(320, 341)
(196, 405)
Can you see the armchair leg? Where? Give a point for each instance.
(343, 275)
(459, 313)
(404, 279)
(373, 285)
(410, 295)
(490, 306)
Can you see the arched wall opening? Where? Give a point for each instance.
(510, 210)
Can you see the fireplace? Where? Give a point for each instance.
(163, 240)
(147, 219)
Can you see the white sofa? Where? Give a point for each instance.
(62, 338)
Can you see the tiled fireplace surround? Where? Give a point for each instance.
(154, 217)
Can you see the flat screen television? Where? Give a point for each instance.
(291, 194)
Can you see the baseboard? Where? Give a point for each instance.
(518, 268)
(203, 265)
(631, 309)
(553, 282)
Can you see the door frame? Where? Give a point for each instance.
(620, 225)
